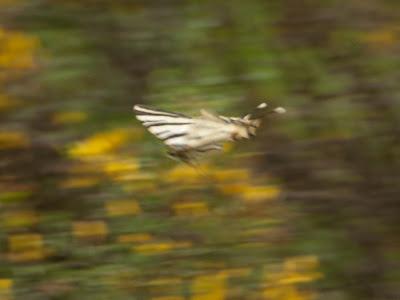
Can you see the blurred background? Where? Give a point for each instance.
(90, 206)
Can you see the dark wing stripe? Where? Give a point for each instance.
(173, 136)
(171, 128)
(149, 125)
(209, 148)
(159, 114)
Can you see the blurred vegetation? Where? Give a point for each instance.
(92, 209)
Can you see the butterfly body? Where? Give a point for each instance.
(186, 136)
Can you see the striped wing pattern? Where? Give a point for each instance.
(171, 128)
(184, 133)
(188, 137)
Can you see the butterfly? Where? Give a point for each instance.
(188, 137)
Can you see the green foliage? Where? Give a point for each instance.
(91, 209)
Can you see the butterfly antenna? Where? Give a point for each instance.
(260, 111)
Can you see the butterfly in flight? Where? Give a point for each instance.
(187, 137)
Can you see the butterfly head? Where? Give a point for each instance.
(252, 121)
(244, 128)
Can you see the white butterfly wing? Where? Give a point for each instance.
(184, 133)
(188, 136)
(172, 128)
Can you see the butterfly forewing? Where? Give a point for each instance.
(171, 128)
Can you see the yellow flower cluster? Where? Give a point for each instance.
(98, 156)
(235, 182)
(5, 284)
(210, 287)
(230, 182)
(6, 288)
(26, 247)
(129, 238)
(156, 248)
(90, 230)
(13, 140)
(17, 51)
(99, 144)
(381, 38)
(230, 175)
(153, 248)
(79, 182)
(118, 208)
(121, 169)
(282, 285)
(193, 208)
(260, 193)
(186, 174)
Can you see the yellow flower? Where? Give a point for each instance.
(69, 117)
(209, 287)
(301, 269)
(13, 140)
(186, 174)
(20, 219)
(17, 51)
(122, 208)
(122, 169)
(282, 283)
(99, 143)
(260, 193)
(5, 284)
(231, 175)
(196, 208)
(22, 242)
(299, 263)
(134, 238)
(80, 182)
(232, 189)
(26, 247)
(380, 38)
(88, 230)
(286, 293)
(153, 248)
(6, 288)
